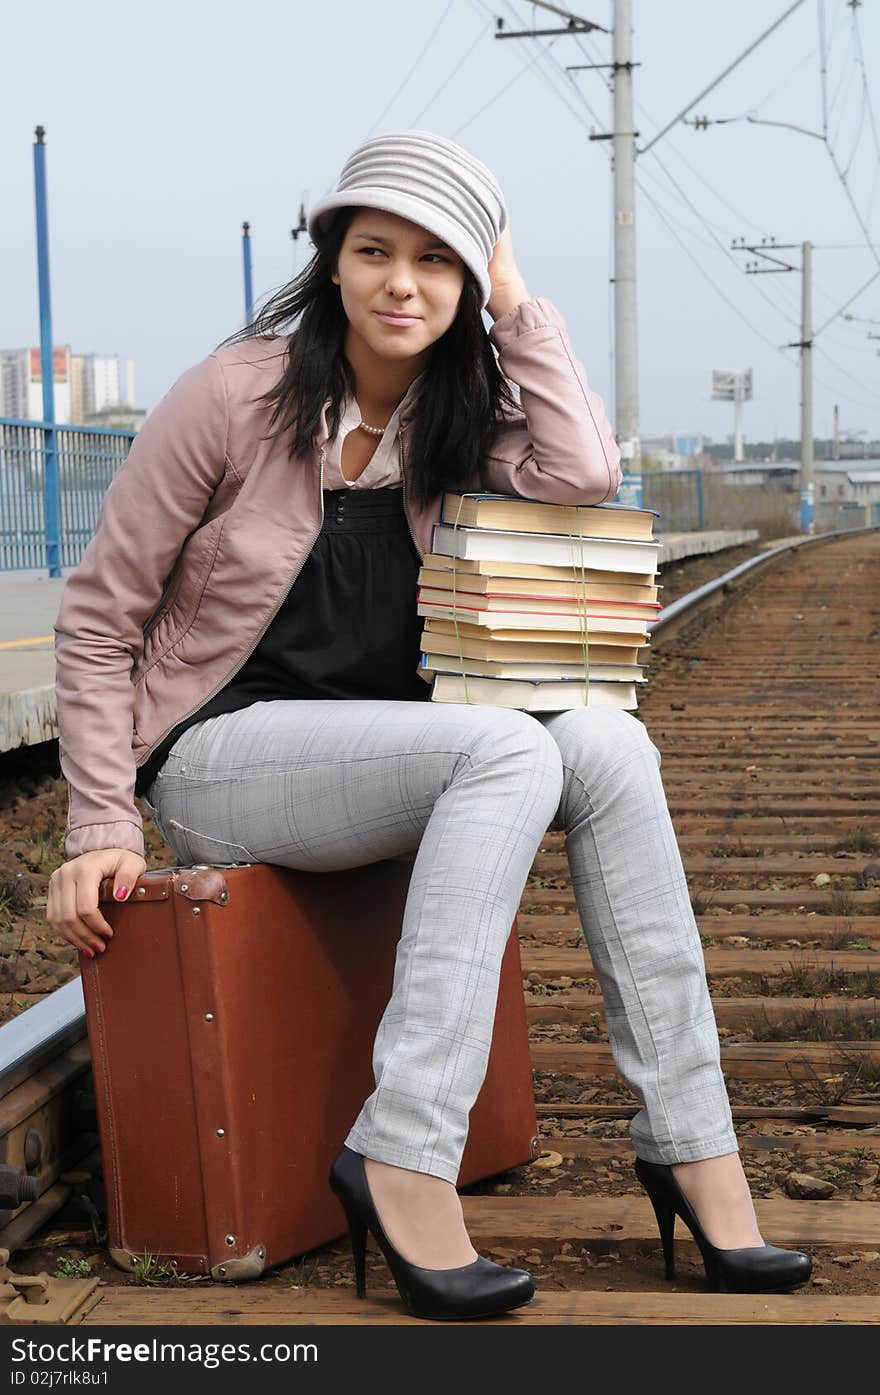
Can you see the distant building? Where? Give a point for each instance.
(21, 383)
(118, 418)
(84, 384)
(865, 485)
(688, 445)
(765, 474)
(661, 453)
(100, 381)
(846, 481)
(845, 492)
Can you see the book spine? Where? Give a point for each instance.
(501, 615)
(578, 601)
(596, 554)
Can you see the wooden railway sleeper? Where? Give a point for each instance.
(40, 1298)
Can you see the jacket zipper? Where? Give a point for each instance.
(265, 627)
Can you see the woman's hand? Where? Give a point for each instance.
(72, 904)
(508, 286)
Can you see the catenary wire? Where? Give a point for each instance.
(666, 216)
(453, 74)
(411, 68)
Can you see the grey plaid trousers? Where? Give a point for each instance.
(322, 785)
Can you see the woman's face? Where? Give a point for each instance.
(387, 263)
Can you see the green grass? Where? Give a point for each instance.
(849, 1070)
(701, 902)
(151, 1271)
(15, 894)
(806, 982)
(841, 902)
(298, 1275)
(737, 849)
(818, 1026)
(860, 840)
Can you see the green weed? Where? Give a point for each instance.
(298, 1275)
(860, 840)
(841, 902)
(72, 1268)
(150, 1271)
(817, 1026)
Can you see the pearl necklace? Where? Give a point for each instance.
(373, 430)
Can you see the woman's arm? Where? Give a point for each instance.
(560, 449)
(152, 505)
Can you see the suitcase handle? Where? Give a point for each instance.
(198, 882)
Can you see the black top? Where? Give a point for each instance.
(348, 627)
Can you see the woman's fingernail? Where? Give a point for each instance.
(121, 892)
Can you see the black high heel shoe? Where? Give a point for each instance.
(474, 1290)
(754, 1269)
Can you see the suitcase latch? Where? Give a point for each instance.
(202, 883)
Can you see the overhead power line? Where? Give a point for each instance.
(455, 71)
(777, 348)
(841, 174)
(411, 68)
(729, 69)
(544, 63)
(535, 62)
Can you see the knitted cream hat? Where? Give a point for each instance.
(431, 181)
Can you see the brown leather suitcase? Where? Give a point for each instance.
(231, 1022)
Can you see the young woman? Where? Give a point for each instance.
(240, 646)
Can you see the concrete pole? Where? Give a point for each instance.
(807, 489)
(835, 452)
(626, 375)
(738, 419)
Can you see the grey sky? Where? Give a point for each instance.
(169, 123)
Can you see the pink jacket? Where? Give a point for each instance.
(204, 529)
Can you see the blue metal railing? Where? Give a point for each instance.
(89, 456)
(87, 459)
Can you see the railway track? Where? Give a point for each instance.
(762, 700)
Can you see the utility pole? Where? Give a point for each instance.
(626, 364)
(626, 377)
(807, 486)
(626, 372)
(765, 249)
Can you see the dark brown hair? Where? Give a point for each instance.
(459, 401)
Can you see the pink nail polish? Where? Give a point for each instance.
(121, 892)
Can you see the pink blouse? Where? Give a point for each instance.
(383, 469)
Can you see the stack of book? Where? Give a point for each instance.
(541, 607)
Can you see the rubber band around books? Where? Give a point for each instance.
(478, 494)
